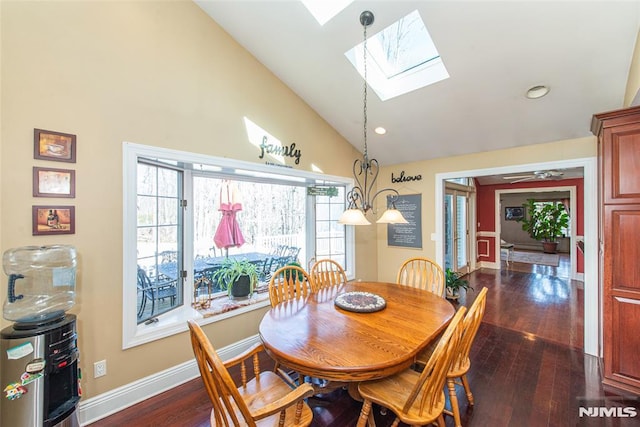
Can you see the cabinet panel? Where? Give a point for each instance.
(622, 160)
(624, 340)
(622, 250)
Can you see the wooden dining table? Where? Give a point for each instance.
(314, 337)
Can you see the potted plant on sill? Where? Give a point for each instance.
(288, 273)
(238, 276)
(545, 223)
(453, 283)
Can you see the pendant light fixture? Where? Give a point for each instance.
(361, 198)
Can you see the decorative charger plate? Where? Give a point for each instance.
(360, 302)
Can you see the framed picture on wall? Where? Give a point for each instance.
(50, 182)
(53, 219)
(56, 146)
(514, 213)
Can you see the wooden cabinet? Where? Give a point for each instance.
(619, 233)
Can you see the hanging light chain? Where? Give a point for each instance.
(366, 157)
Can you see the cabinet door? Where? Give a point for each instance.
(622, 345)
(622, 250)
(622, 296)
(621, 164)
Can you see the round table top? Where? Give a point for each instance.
(314, 337)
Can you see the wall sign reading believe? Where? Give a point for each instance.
(403, 178)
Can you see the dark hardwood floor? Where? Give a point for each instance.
(527, 364)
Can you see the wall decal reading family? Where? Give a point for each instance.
(403, 178)
(279, 150)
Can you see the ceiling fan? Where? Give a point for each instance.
(550, 174)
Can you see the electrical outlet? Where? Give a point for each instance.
(100, 369)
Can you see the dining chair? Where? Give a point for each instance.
(326, 273)
(265, 399)
(416, 398)
(457, 374)
(289, 282)
(422, 273)
(461, 362)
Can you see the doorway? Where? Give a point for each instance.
(456, 228)
(592, 325)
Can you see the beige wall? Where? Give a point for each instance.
(390, 258)
(164, 74)
(154, 73)
(633, 83)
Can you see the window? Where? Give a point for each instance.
(159, 239)
(330, 236)
(172, 210)
(404, 58)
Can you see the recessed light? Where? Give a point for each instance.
(537, 92)
(380, 130)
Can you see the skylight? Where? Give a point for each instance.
(324, 10)
(400, 58)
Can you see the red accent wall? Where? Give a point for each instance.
(486, 205)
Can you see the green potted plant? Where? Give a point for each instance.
(238, 276)
(287, 273)
(453, 283)
(545, 223)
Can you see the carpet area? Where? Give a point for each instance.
(534, 258)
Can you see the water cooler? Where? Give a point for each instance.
(39, 352)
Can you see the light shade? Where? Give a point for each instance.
(353, 217)
(392, 216)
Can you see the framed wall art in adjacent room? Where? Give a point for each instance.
(514, 213)
(53, 220)
(55, 146)
(50, 182)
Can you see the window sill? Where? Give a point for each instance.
(175, 322)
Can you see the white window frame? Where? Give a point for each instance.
(175, 321)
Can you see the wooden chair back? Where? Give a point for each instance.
(220, 387)
(431, 381)
(470, 327)
(422, 273)
(265, 398)
(289, 282)
(326, 273)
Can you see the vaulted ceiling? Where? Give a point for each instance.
(493, 51)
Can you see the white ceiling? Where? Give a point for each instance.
(494, 52)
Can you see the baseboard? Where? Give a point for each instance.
(103, 405)
(488, 264)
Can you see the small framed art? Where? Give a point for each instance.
(53, 220)
(56, 146)
(514, 213)
(50, 182)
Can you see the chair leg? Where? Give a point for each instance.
(440, 421)
(453, 398)
(364, 413)
(467, 389)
